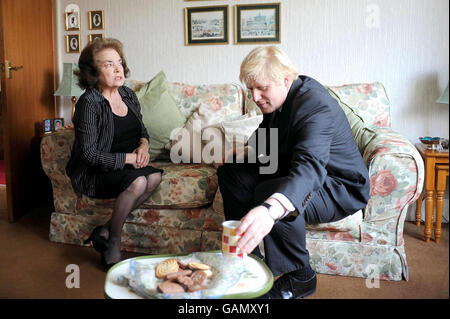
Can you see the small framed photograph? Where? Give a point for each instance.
(257, 23)
(72, 21)
(93, 37)
(73, 43)
(96, 20)
(58, 124)
(47, 126)
(206, 25)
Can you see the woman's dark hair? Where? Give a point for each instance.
(88, 72)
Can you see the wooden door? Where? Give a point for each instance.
(26, 41)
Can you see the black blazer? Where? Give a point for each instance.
(316, 149)
(94, 133)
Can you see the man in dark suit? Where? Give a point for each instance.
(320, 175)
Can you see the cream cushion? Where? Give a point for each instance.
(206, 137)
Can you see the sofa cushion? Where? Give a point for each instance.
(182, 186)
(172, 231)
(211, 135)
(187, 141)
(250, 105)
(367, 100)
(347, 229)
(160, 114)
(362, 134)
(225, 100)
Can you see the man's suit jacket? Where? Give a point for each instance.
(316, 149)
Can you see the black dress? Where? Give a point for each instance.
(126, 139)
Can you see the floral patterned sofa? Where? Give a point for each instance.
(185, 212)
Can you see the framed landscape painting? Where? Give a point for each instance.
(257, 23)
(206, 25)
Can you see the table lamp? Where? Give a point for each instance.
(443, 99)
(69, 84)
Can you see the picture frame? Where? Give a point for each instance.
(73, 43)
(92, 37)
(72, 20)
(58, 124)
(47, 128)
(206, 25)
(96, 20)
(257, 23)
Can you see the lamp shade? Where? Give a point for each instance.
(69, 83)
(443, 99)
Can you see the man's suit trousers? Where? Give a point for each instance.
(243, 187)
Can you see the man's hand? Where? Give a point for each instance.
(255, 226)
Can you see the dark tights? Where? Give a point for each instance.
(131, 198)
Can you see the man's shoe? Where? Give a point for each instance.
(293, 286)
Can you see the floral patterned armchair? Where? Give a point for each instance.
(371, 243)
(185, 212)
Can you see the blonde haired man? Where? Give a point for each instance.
(320, 176)
(267, 63)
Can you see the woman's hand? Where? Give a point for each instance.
(255, 226)
(142, 155)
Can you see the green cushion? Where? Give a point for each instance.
(160, 114)
(362, 134)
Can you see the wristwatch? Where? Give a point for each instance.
(271, 212)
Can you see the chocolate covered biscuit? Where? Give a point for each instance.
(170, 287)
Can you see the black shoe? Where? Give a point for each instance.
(293, 286)
(98, 241)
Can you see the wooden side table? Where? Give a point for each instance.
(436, 172)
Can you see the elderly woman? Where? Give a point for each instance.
(110, 156)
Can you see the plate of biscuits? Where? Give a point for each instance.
(180, 278)
(200, 275)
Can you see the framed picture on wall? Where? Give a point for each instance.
(206, 25)
(96, 20)
(93, 37)
(72, 21)
(257, 23)
(73, 43)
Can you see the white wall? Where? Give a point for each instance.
(333, 41)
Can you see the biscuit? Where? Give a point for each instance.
(179, 279)
(175, 275)
(196, 287)
(198, 266)
(185, 281)
(166, 267)
(199, 277)
(170, 287)
(182, 265)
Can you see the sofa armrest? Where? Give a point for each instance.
(55, 153)
(396, 172)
